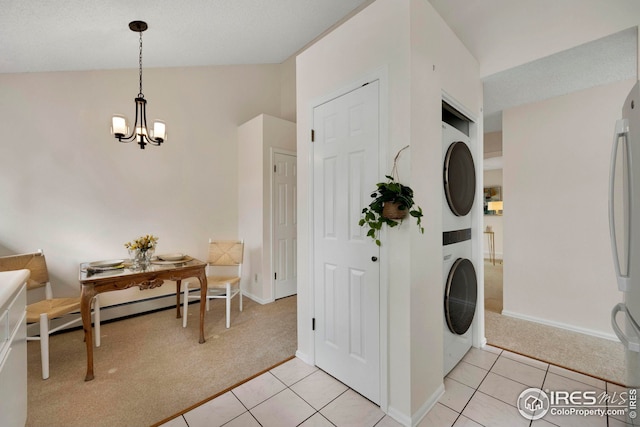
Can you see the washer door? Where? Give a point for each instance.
(459, 178)
(461, 294)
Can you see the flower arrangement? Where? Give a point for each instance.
(142, 243)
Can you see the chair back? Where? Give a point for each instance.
(34, 262)
(226, 252)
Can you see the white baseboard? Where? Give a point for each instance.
(573, 328)
(427, 405)
(400, 417)
(305, 358)
(416, 418)
(261, 301)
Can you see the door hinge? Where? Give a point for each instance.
(313, 324)
(275, 276)
(313, 135)
(274, 168)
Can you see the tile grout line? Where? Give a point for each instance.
(546, 372)
(316, 411)
(476, 389)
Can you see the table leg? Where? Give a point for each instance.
(493, 249)
(178, 313)
(86, 296)
(202, 277)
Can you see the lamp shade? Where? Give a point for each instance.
(495, 206)
(159, 130)
(119, 126)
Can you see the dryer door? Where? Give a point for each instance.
(461, 294)
(459, 178)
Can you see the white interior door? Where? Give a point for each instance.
(346, 270)
(284, 225)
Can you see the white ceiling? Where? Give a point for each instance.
(606, 60)
(62, 35)
(530, 50)
(507, 37)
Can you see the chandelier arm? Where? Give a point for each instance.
(142, 108)
(133, 135)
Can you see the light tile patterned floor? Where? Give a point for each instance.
(482, 390)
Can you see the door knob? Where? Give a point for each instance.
(374, 258)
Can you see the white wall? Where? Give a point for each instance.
(558, 267)
(256, 140)
(439, 63)
(376, 37)
(288, 89)
(68, 187)
(406, 41)
(250, 205)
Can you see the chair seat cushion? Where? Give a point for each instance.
(52, 307)
(221, 281)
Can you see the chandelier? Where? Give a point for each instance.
(140, 132)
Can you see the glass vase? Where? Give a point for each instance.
(141, 259)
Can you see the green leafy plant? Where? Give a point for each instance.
(389, 192)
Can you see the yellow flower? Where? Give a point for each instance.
(142, 243)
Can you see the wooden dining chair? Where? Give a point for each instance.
(50, 308)
(222, 254)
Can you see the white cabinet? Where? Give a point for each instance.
(13, 348)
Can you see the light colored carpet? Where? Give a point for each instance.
(493, 286)
(598, 357)
(149, 368)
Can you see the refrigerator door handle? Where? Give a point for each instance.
(628, 344)
(622, 130)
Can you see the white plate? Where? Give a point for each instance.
(171, 257)
(107, 263)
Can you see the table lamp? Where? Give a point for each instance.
(496, 207)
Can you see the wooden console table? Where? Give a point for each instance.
(94, 283)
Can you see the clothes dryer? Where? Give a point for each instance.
(459, 178)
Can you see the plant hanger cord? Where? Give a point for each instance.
(394, 171)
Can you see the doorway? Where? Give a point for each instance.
(493, 226)
(284, 224)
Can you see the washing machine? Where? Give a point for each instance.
(460, 287)
(460, 298)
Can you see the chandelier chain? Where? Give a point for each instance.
(140, 95)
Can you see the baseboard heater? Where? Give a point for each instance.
(122, 311)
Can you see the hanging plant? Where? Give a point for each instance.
(391, 203)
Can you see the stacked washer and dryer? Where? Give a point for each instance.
(460, 282)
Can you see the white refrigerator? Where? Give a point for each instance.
(624, 227)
